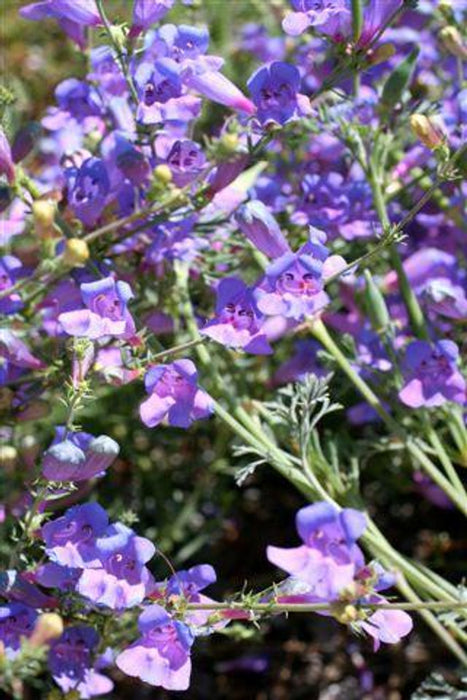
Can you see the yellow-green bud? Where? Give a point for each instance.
(8, 455)
(76, 252)
(427, 130)
(163, 173)
(48, 626)
(229, 142)
(43, 212)
(380, 54)
(453, 42)
(345, 613)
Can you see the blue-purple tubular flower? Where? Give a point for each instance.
(161, 656)
(175, 395)
(237, 323)
(431, 374)
(71, 662)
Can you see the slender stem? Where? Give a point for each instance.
(177, 349)
(444, 457)
(120, 57)
(410, 300)
(313, 607)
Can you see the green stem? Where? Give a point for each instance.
(120, 57)
(414, 310)
(443, 456)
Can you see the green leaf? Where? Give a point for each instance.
(399, 80)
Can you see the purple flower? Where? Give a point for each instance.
(147, 12)
(106, 312)
(78, 98)
(71, 662)
(72, 15)
(70, 540)
(78, 456)
(237, 323)
(15, 586)
(161, 656)
(328, 559)
(10, 269)
(117, 577)
(106, 72)
(388, 626)
(431, 375)
(260, 227)
(161, 95)
(174, 394)
(184, 157)
(331, 17)
(88, 187)
(216, 87)
(6, 159)
(274, 90)
(302, 363)
(15, 356)
(16, 621)
(294, 283)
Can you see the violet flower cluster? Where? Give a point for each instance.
(171, 218)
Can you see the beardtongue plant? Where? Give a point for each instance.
(145, 242)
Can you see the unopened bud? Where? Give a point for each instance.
(345, 613)
(76, 252)
(453, 42)
(382, 53)
(229, 142)
(8, 455)
(375, 304)
(43, 212)
(427, 130)
(163, 173)
(48, 626)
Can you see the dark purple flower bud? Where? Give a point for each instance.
(261, 228)
(6, 159)
(25, 140)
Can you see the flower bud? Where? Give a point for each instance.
(48, 626)
(261, 228)
(6, 159)
(43, 212)
(345, 613)
(427, 131)
(8, 455)
(163, 173)
(375, 304)
(452, 42)
(229, 143)
(76, 252)
(380, 54)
